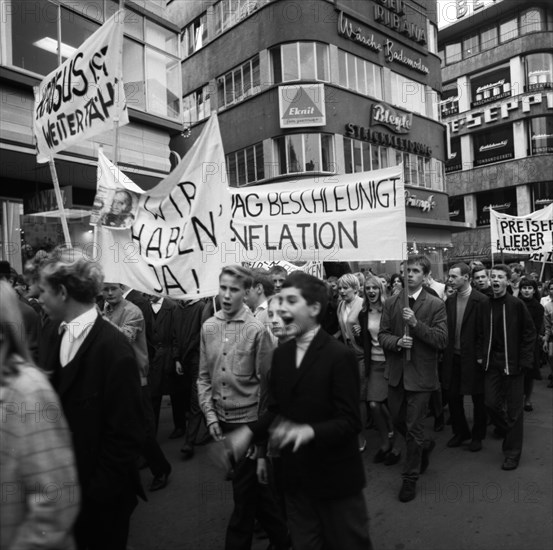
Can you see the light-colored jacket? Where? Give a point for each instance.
(235, 358)
(40, 489)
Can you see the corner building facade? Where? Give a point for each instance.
(375, 65)
(497, 100)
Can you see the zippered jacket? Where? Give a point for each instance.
(519, 336)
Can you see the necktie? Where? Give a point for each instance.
(411, 302)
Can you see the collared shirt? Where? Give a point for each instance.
(157, 306)
(235, 357)
(416, 294)
(303, 342)
(74, 334)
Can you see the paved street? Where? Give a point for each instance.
(464, 501)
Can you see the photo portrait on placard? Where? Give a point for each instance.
(118, 209)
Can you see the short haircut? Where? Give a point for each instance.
(263, 277)
(525, 281)
(384, 276)
(81, 277)
(517, 268)
(505, 268)
(462, 267)
(477, 268)
(312, 289)
(242, 274)
(361, 277)
(422, 260)
(278, 270)
(332, 279)
(349, 280)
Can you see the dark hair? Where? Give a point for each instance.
(262, 277)
(462, 267)
(396, 276)
(516, 267)
(421, 260)
(243, 274)
(477, 268)
(505, 268)
(529, 282)
(313, 290)
(278, 270)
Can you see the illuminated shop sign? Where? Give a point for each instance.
(454, 162)
(491, 87)
(493, 146)
(391, 14)
(503, 201)
(424, 204)
(391, 53)
(502, 111)
(384, 115)
(457, 209)
(387, 140)
(450, 102)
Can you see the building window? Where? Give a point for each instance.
(246, 166)
(471, 46)
(230, 12)
(151, 67)
(490, 87)
(541, 135)
(359, 75)
(531, 21)
(197, 105)
(300, 61)
(454, 161)
(493, 145)
(31, 42)
(361, 156)
(297, 153)
(240, 83)
(408, 94)
(453, 53)
(449, 104)
(421, 171)
(488, 38)
(194, 36)
(508, 30)
(539, 71)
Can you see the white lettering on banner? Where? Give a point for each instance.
(522, 234)
(283, 221)
(475, 119)
(84, 96)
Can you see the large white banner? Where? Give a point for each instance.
(175, 245)
(81, 98)
(522, 234)
(355, 217)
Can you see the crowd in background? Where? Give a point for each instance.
(106, 402)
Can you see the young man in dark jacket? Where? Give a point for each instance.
(507, 350)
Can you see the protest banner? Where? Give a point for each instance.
(116, 200)
(83, 96)
(522, 234)
(174, 245)
(356, 217)
(312, 268)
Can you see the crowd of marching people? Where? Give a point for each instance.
(283, 373)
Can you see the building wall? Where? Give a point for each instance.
(518, 184)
